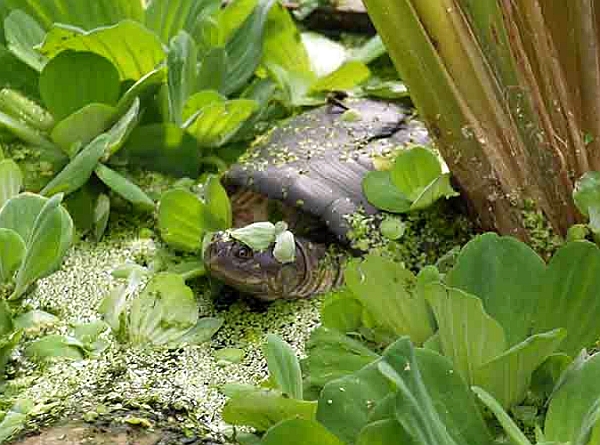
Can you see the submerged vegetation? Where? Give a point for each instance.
(430, 332)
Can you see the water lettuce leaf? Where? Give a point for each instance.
(131, 48)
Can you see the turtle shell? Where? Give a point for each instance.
(317, 160)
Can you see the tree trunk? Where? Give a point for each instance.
(510, 90)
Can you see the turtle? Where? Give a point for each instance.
(313, 164)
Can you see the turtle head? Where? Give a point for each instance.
(257, 273)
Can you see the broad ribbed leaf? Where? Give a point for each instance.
(379, 190)
(508, 376)
(284, 367)
(182, 62)
(331, 355)
(129, 46)
(86, 15)
(11, 180)
(162, 147)
(403, 311)
(124, 187)
(414, 169)
(50, 238)
(80, 128)
(299, 432)
(181, 220)
(73, 80)
(346, 77)
(213, 70)
(217, 203)
(167, 17)
(17, 75)
(79, 170)
(244, 48)
(20, 212)
(101, 212)
(263, 408)
(55, 346)
(143, 88)
(24, 132)
(468, 335)
(16, 104)
(572, 402)
(12, 252)
(569, 296)
(506, 274)
(121, 130)
(218, 122)
(23, 33)
(164, 311)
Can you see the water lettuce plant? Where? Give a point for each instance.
(161, 313)
(35, 233)
(185, 215)
(498, 314)
(414, 181)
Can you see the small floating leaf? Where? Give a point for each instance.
(258, 236)
(285, 247)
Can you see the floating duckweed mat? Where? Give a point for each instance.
(185, 380)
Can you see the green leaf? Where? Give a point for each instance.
(438, 188)
(385, 89)
(11, 424)
(124, 187)
(414, 169)
(22, 108)
(20, 212)
(23, 33)
(51, 236)
(24, 132)
(11, 180)
(201, 332)
(392, 228)
(587, 198)
(198, 101)
(403, 311)
(80, 128)
(167, 17)
(508, 376)
(101, 214)
(371, 50)
(121, 130)
(572, 402)
(218, 122)
(325, 55)
(263, 408)
(79, 170)
(510, 427)
(284, 367)
(55, 346)
(164, 311)
(35, 319)
(569, 296)
(346, 77)
(506, 274)
(73, 80)
(299, 432)
(217, 204)
(233, 15)
(162, 147)
(87, 15)
(131, 48)
(12, 252)
(17, 75)
(283, 45)
(468, 335)
(213, 70)
(341, 311)
(380, 192)
(181, 220)
(88, 333)
(143, 88)
(182, 62)
(258, 236)
(244, 48)
(383, 432)
(332, 355)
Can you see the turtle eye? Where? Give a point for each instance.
(243, 253)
